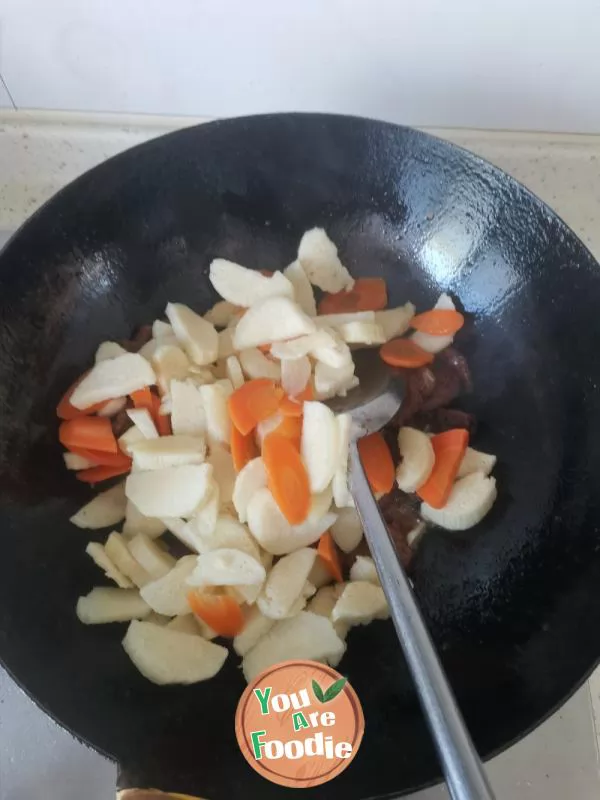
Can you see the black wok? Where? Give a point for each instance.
(513, 605)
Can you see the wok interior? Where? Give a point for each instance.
(513, 605)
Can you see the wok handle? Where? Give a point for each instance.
(460, 762)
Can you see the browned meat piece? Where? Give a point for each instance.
(141, 337)
(420, 383)
(400, 515)
(120, 423)
(458, 362)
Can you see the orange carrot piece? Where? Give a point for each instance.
(287, 478)
(328, 553)
(243, 448)
(377, 462)
(101, 459)
(221, 612)
(143, 398)
(90, 433)
(254, 401)
(292, 407)
(64, 410)
(438, 322)
(404, 353)
(449, 449)
(290, 428)
(367, 294)
(101, 473)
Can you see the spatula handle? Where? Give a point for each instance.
(460, 762)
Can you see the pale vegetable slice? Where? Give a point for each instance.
(136, 522)
(149, 349)
(320, 504)
(112, 407)
(347, 530)
(318, 257)
(341, 493)
(73, 461)
(187, 409)
(395, 321)
(414, 536)
(336, 320)
(172, 492)
(417, 459)
(197, 336)
(319, 574)
(227, 567)
(168, 451)
(192, 625)
(186, 532)
(332, 381)
(368, 333)
(476, 461)
(198, 376)
(470, 500)
(218, 423)
(223, 471)
(104, 604)
(245, 287)
(171, 364)
(143, 421)
(106, 509)
(205, 518)
(109, 350)
(233, 370)
(360, 603)
(166, 656)
(250, 479)
(319, 445)
(271, 320)
(230, 534)
(256, 365)
(435, 344)
(303, 291)
(117, 550)
(131, 436)
(274, 533)
(295, 375)
(168, 595)
(156, 561)
(99, 556)
(285, 582)
(301, 346)
(112, 378)
(157, 619)
(364, 569)
(256, 625)
(323, 604)
(225, 346)
(161, 329)
(305, 636)
(331, 349)
(222, 313)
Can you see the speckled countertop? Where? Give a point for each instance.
(40, 153)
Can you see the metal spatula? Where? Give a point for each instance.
(372, 405)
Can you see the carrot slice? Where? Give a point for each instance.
(449, 449)
(243, 448)
(290, 428)
(91, 433)
(438, 322)
(64, 410)
(221, 612)
(102, 473)
(254, 401)
(143, 398)
(287, 477)
(102, 459)
(367, 294)
(328, 553)
(292, 406)
(162, 421)
(377, 462)
(405, 353)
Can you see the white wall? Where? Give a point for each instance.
(481, 63)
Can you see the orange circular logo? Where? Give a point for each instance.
(299, 723)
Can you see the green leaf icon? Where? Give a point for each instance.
(334, 690)
(318, 692)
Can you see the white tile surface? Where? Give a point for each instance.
(38, 154)
(525, 65)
